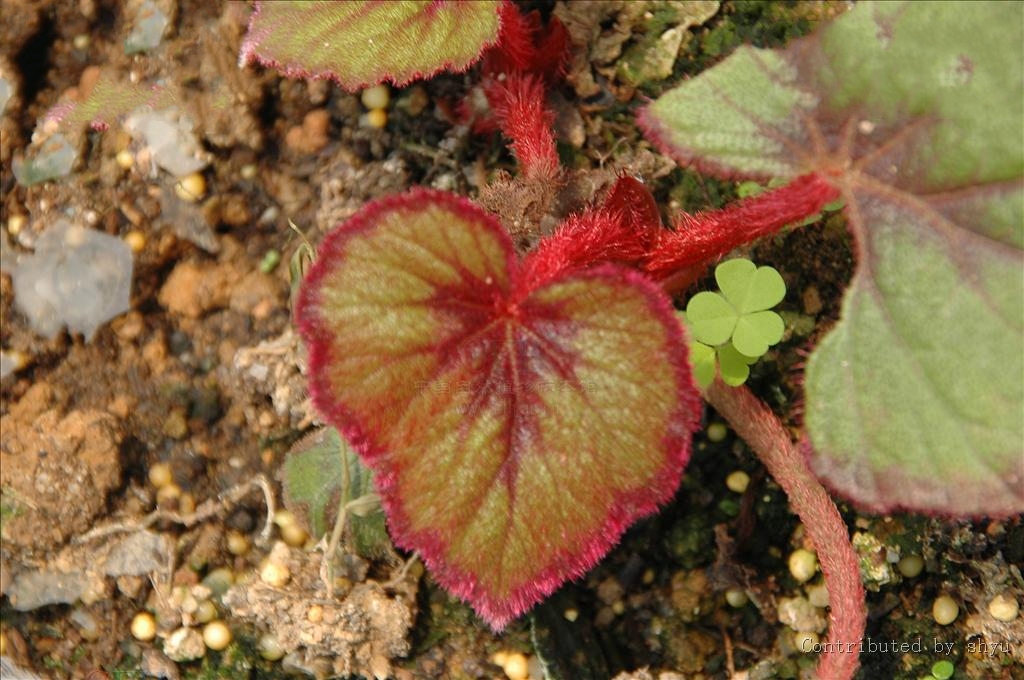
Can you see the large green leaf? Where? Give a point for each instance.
(359, 42)
(916, 398)
(514, 431)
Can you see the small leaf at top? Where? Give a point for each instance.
(734, 278)
(360, 43)
(514, 432)
(749, 288)
(915, 398)
(711, 318)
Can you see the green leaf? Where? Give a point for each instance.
(711, 318)
(514, 431)
(749, 288)
(735, 367)
(702, 359)
(359, 43)
(915, 399)
(312, 477)
(756, 332)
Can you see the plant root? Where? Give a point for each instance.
(207, 509)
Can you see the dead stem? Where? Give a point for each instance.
(206, 510)
(767, 436)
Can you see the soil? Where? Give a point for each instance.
(204, 375)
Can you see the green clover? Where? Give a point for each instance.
(735, 327)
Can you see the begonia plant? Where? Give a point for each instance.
(520, 411)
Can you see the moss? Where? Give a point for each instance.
(690, 541)
(691, 191)
(762, 23)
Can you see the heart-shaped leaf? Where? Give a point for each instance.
(703, 362)
(915, 398)
(313, 479)
(734, 366)
(748, 287)
(711, 317)
(756, 332)
(514, 432)
(359, 43)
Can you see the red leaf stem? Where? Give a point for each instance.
(518, 104)
(767, 436)
(706, 236)
(622, 231)
(583, 240)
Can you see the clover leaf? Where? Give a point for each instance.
(736, 325)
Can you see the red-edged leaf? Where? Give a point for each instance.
(361, 43)
(514, 432)
(913, 110)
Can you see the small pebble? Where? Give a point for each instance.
(736, 597)
(943, 670)
(160, 475)
(294, 535)
(219, 580)
(803, 564)
(945, 610)
(175, 426)
(737, 481)
(283, 518)
(376, 97)
(270, 647)
(315, 125)
(86, 624)
(414, 101)
(168, 494)
(238, 543)
(80, 41)
(571, 614)
(249, 171)
(206, 611)
(910, 565)
(717, 432)
(186, 503)
(1004, 607)
(125, 159)
(135, 240)
(377, 118)
(15, 223)
(315, 614)
(190, 188)
(143, 627)
(818, 595)
(217, 635)
(805, 642)
(516, 666)
(274, 574)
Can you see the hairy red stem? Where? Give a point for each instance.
(518, 104)
(702, 238)
(767, 436)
